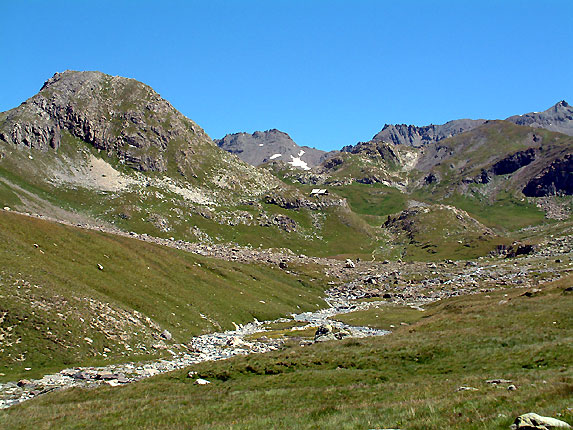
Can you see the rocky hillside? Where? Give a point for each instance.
(120, 116)
(500, 155)
(127, 121)
(263, 146)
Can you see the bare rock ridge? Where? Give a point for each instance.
(263, 146)
(557, 118)
(411, 135)
(121, 116)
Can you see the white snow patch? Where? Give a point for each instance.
(275, 156)
(297, 162)
(261, 144)
(301, 153)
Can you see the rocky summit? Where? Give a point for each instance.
(557, 118)
(271, 145)
(117, 115)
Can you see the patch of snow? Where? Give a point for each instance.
(297, 162)
(301, 153)
(261, 144)
(275, 156)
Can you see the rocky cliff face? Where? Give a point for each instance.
(556, 179)
(376, 150)
(557, 118)
(121, 116)
(263, 146)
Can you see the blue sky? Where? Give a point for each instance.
(329, 73)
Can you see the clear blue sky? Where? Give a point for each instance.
(329, 73)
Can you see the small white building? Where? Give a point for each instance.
(318, 192)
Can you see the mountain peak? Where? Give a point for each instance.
(263, 146)
(120, 116)
(558, 117)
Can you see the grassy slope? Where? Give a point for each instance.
(171, 287)
(405, 380)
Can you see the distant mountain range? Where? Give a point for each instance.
(263, 146)
(557, 118)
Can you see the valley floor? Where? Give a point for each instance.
(455, 326)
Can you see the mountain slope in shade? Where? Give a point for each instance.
(557, 118)
(263, 146)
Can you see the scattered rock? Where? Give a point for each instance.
(349, 264)
(532, 421)
(464, 388)
(201, 382)
(166, 335)
(105, 375)
(511, 388)
(122, 379)
(498, 381)
(23, 383)
(532, 293)
(99, 266)
(342, 334)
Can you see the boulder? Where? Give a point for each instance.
(532, 421)
(166, 335)
(342, 334)
(23, 383)
(324, 333)
(349, 264)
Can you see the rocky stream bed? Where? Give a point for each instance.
(207, 347)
